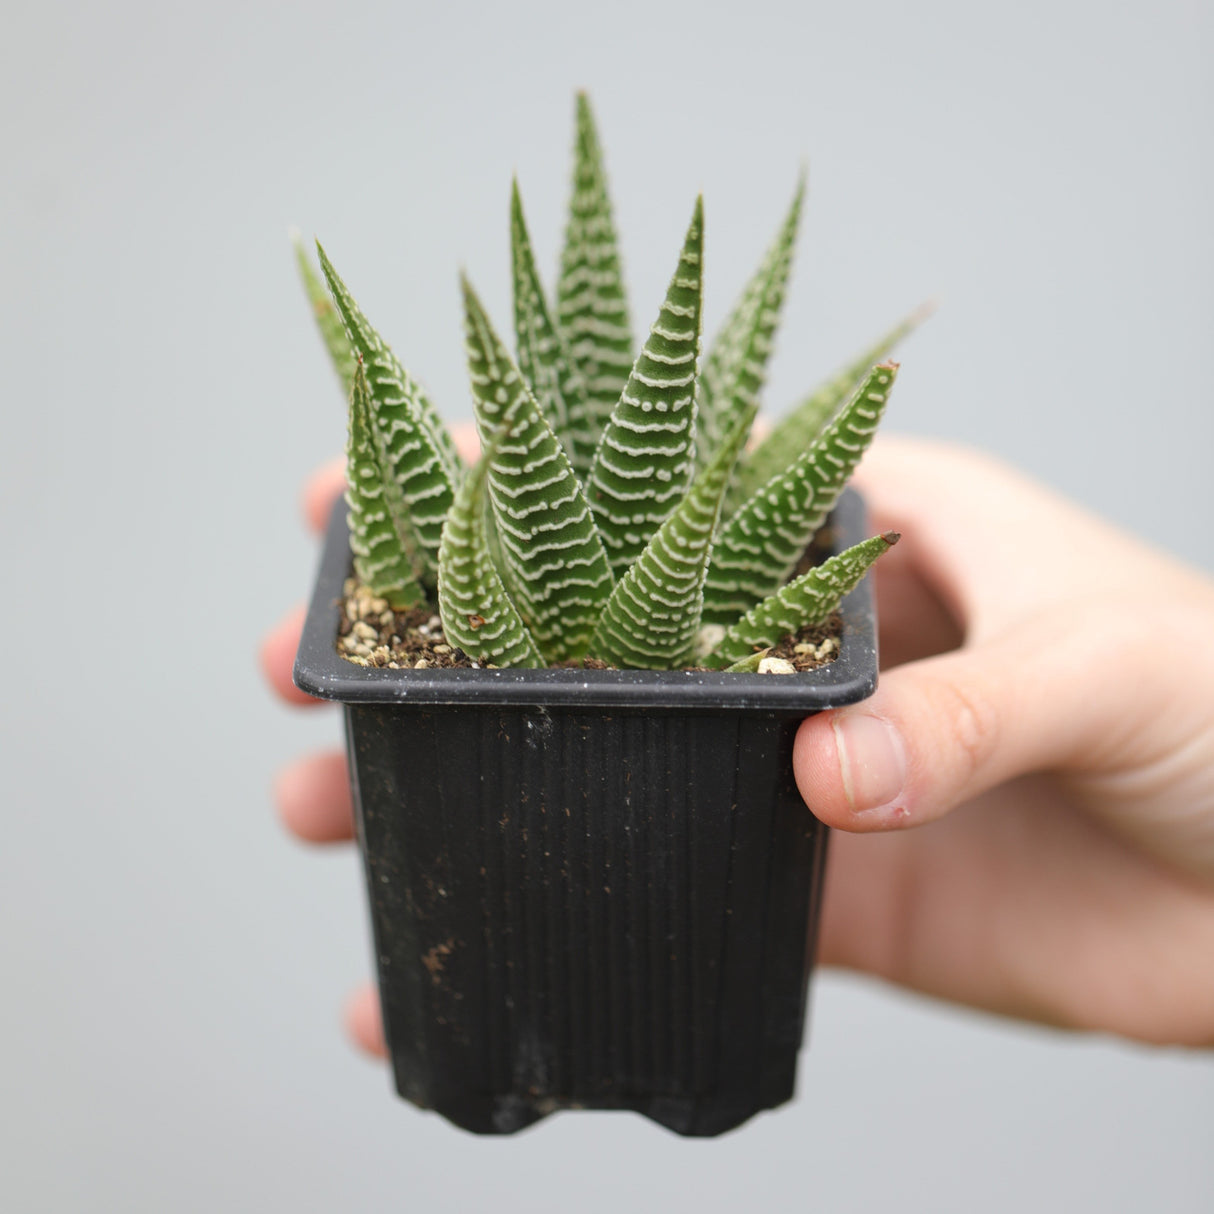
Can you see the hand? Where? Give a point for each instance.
(1062, 776)
(1057, 768)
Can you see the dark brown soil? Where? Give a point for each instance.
(811, 647)
(372, 634)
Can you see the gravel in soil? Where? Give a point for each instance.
(372, 634)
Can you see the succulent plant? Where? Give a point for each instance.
(615, 512)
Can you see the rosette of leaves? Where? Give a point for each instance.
(616, 512)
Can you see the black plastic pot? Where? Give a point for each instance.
(589, 889)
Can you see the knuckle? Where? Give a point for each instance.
(973, 724)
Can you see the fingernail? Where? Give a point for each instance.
(872, 760)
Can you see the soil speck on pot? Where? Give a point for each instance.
(435, 958)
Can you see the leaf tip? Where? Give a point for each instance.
(325, 263)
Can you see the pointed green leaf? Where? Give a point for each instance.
(553, 558)
(592, 309)
(477, 612)
(381, 559)
(736, 365)
(384, 367)
(644, 459)
(805, 421)
(543, 355)
(802, 603)
(760, 545)
(653, 615)
(424, 467)
(750, 664)
(332, 331)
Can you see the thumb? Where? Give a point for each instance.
(941, 731)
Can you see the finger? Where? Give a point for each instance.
(328, 482)
(991, 908)
(1042, 697)
(990, 542)
(467, 443)
(913, 622)
(278, 658)
(364, 1022)
(323, 488)
(313, 798)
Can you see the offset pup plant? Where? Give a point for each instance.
(581, 897)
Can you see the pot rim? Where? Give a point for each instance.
(322, 672)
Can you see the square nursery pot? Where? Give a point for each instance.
(589, 889)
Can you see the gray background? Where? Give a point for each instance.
(172, 964)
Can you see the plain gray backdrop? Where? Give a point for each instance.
(174, 965)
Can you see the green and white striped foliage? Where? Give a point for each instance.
(543, 354)
(653, 615)
(476, 610)
(806, 420)
(807, 601)
(381, 559)
(761, 544)
(736, 365)
(424, 467)
(592, 307)
(332, 331)
(553, 559)
(645, 458)
(593, 523)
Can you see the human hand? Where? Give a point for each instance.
(1057, 768)
(1072, 880)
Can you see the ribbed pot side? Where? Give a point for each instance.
(587, 909)
(589, 888)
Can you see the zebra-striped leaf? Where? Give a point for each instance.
(761, 544)
(592, 307)
(805, 421)
(543, 355)
(332, 331)
(653, 615)
(381, 558)
(424, 468)
(553, 558)
(473, 604)
(807, 601)
(736, 364)
(645, 458)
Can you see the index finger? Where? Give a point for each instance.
(323, 488)
(328, 482)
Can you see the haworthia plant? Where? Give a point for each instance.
(653, 615)
(806, 420)
(424, 468)
(543, 354)
(592, 307)
(555, 562)
(332, 331)
(381, 561)
(761, 544)
(604, 518)
(736, 365)
(645, 457)
(476, 610)
(391, 385)
(807, 601)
